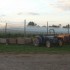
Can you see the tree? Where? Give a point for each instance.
(31, 24)
(59, 25)
(67, 26)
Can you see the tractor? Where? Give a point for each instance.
(65, 38)
(48, 40)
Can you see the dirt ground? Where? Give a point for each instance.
(34, 61)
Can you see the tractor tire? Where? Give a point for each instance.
(48, 44)
(35, 42)
(60, 43)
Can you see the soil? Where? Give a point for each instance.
(34, 61)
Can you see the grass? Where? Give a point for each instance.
(32, 49)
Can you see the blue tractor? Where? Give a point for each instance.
(47, 40)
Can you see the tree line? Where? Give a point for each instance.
(31, 23)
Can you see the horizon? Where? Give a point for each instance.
(21, 24)
(39, 11)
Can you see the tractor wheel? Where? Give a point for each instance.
(35, 42)
(60, 43)
(48, 44)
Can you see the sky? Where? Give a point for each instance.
(39, 11)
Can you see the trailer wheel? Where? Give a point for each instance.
(60, 43)
(48, 44)
(35, 42)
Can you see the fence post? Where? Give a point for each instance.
(47, 28)
(5, 28)
(68, 28)
(6, 33)
(24, 28)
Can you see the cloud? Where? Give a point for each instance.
(2, 15)
(20, 13)
(32, 13)
(62, 4)
(28, 13)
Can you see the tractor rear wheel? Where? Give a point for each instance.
(35, 42)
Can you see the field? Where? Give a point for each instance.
(32, 49)
(29, 57)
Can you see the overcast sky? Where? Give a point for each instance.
(39, 11)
